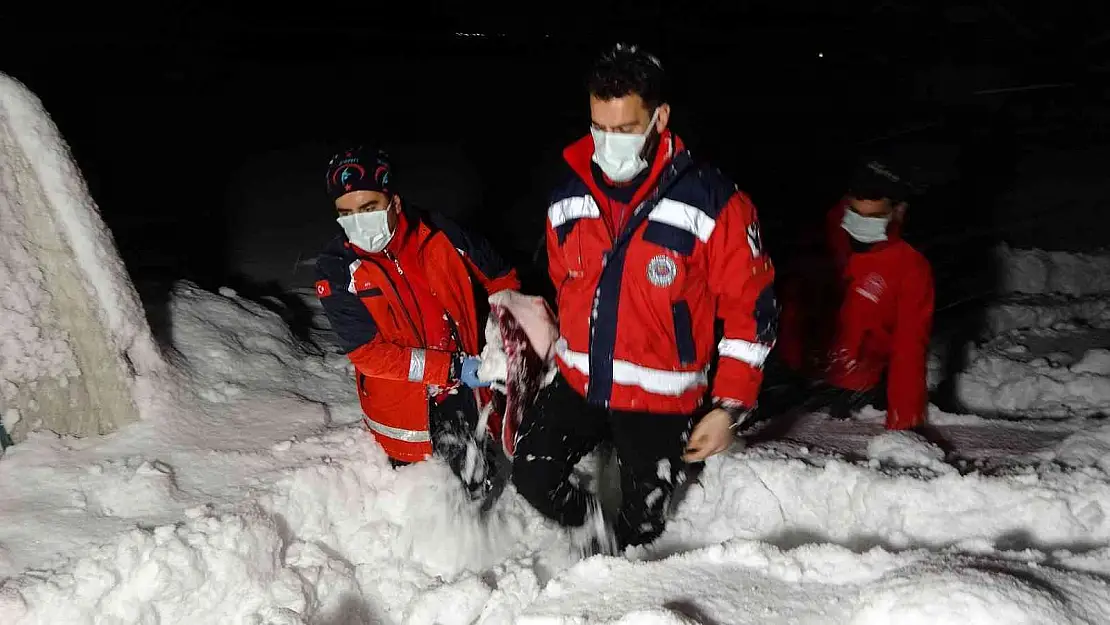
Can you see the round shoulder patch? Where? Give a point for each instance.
(662, 270)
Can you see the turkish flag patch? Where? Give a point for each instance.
(323, 288)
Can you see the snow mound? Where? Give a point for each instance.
(982, 592)
(236, 346)
(1096, 361)
(1014, 383)
(1036, 271)
(907, 449)
(1022, 313)
(1047, 354)
(743, 582)
(209, 569)
(1048, 357)
(1085, 449)
(787, 497)
(73, 337)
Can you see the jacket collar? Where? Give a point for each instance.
(671, 156)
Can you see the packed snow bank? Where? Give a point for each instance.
(251, 495)
(73, 337)
(1046, 312)
(1040, 387)
(783, 495)
(1044, 365)
(1084, 449)
(1039, 272)
(1045, 350)
(750, 582)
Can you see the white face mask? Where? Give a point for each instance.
(864, 229)
(620, 154)
(369, 231)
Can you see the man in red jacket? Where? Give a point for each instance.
(865, 313)
(647, 250)
(399, 289)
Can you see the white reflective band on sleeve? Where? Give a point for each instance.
(745, 351)
(409, 436)
(351, 269)
(657, 381)
(579, 207)
(417, 358)
(685, 217)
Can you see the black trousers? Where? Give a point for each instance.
(452, 425)
(561, 427)
(785, 391)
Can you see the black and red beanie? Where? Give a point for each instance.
(358, 169)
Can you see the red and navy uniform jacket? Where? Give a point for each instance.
(402, 314)
(870, 313)
(639, 291)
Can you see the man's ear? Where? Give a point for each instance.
(663, 117)
(900, 210)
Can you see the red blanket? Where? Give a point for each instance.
(519, 354)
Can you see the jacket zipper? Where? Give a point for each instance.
(663, 183)
(401, 272)
(397, 292)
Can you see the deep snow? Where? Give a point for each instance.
(252, 496)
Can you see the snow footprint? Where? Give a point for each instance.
(151, 489)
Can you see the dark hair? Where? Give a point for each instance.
(626, 69)
(877, 181)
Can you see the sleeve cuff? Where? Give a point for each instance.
(507, 282)
(437, 367)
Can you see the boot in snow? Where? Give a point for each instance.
(596, 536)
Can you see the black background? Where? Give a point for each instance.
(204, 133)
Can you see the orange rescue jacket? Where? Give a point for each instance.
(375, 311)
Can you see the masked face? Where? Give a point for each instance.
(865, 228)
(619, 134)
(370, 222)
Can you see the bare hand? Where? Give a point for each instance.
(712, 435)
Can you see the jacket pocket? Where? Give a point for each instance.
(360, 382)
(684, 333)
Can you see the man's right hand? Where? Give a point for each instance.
(712, 435)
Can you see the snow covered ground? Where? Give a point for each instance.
(252, 496)
(1047, 353)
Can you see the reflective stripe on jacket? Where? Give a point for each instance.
(637, 311)
(374, 304)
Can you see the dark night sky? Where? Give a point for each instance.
(203, 134)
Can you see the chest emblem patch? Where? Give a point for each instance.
(872, 287)
(662, 271)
